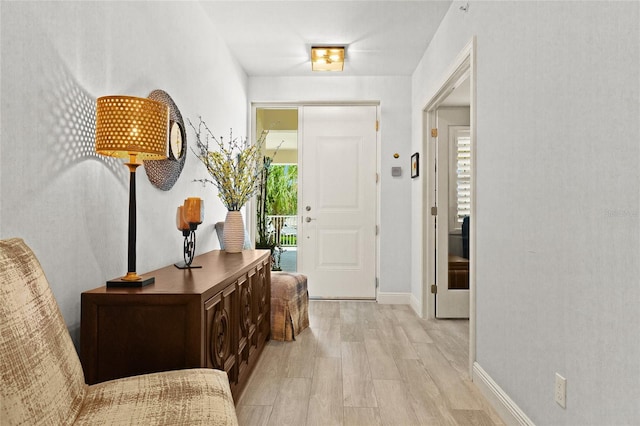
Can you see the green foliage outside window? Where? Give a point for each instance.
(277, 196)
(282, 190)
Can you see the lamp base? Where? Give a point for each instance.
(183, 265)
(119, 282)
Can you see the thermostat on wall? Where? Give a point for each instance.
(396, 171)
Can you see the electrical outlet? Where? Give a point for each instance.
(561, 391)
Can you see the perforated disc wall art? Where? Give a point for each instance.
(163, 174)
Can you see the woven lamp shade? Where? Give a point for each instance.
(126, 125)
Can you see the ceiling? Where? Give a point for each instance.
(274, 38)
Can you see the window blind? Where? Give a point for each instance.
(463, 178)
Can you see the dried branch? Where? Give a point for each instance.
(235, 166)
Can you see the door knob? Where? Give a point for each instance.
(309, 219)
(308, 208)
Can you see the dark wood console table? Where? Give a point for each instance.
(214, 317)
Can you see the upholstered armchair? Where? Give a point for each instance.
(42, 378)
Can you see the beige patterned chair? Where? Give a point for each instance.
(42, 378)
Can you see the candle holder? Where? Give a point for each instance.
(188, 217)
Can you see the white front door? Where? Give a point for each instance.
(338, 200)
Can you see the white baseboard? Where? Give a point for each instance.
(415, 305)
(506, 408)
(393, 298)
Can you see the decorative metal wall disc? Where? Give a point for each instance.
(163, 174)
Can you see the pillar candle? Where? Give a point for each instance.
(180, 222)
(193, 210)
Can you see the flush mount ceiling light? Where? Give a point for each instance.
(327, 58)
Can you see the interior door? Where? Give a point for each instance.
(338, 208)
(453, 159)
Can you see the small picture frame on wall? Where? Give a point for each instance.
(415, 165)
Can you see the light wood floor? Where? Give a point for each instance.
(361, 363)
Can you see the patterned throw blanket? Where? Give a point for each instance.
(289, 305)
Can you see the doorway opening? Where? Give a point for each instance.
(335, 235)
(277, 206)
(449, 197)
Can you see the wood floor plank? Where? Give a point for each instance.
(325, 403)
(351, 332)
(270, 361)
(367, 314)
(331, 308)
(401, 346)
(356, 376)
(402, 314)
(361, 416)
(299, 352)
(393, 333)
(261, 390)
(324, 308)
(299, 366)
(358, 392)
(327, 368)
(329, 342)
(395, 408)
(436, 364)
(322, 323)
(362, 363)
(290, 407)
(348, 315)
(428, 404)
(253, 415)
(381, 361)
(386, 312)
(354, 360)
(472, 418)
(451, 385)
(325, 400)
(371, 334)
(454, 347)
(415, 332)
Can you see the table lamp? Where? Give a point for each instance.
(136, 129)
(188, 217)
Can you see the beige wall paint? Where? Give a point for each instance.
(283, 156)
(282, 125)
(277, 119)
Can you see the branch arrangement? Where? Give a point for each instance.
(235, 166)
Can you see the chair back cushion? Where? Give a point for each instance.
(42, 378)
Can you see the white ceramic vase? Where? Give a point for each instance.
(233, 233)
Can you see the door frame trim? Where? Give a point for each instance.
(298, 105)
(463, 66)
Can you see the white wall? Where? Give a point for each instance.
(394, 95)
(557, 200)
(69, 204)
